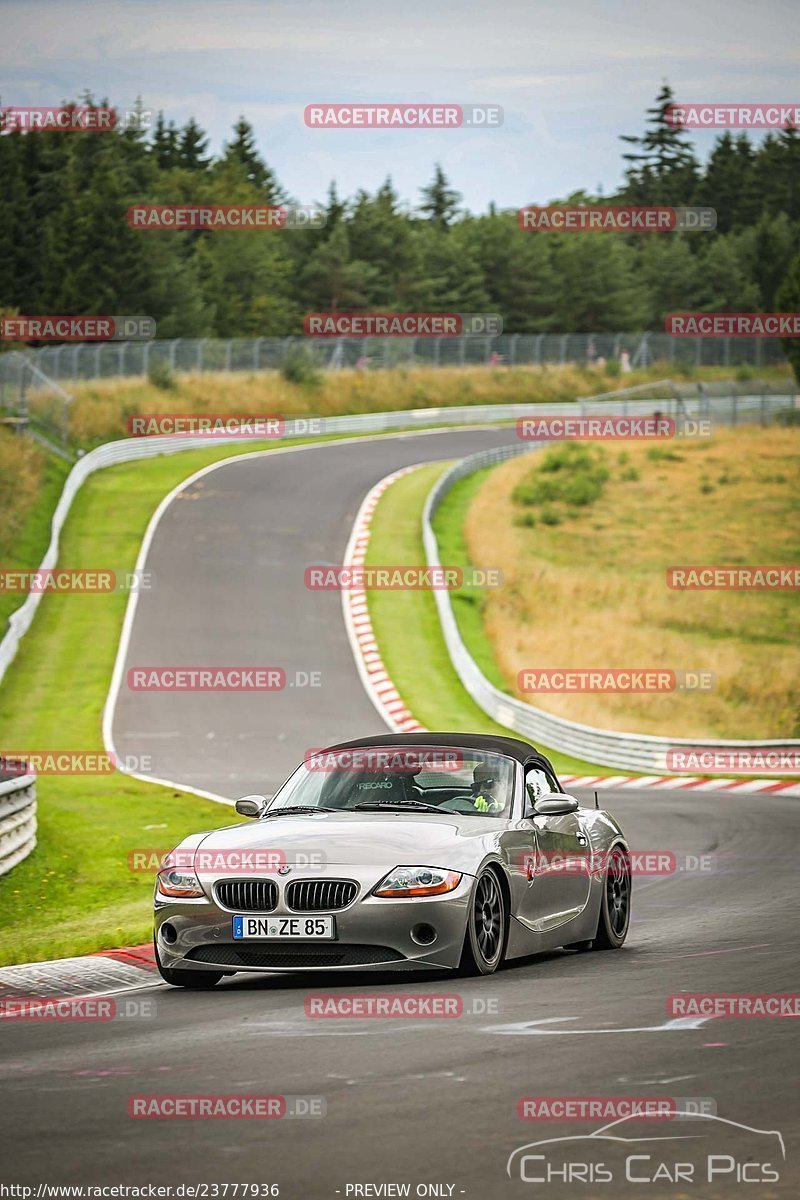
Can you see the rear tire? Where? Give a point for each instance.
(198, 981)
(615, 903)
(485, 937)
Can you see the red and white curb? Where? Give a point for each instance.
(103, 974)
(697, 783)
(396, 715)
(374, 676)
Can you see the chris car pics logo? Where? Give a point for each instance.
(691, 1149)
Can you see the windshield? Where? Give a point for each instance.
(419, 779)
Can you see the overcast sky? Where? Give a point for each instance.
(571, 75)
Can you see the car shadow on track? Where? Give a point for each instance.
(565, 962)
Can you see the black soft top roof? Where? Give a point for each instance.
(512, 747)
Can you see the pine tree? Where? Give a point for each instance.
(110, 268)
(767, 248)
(663, 168)
(13, 204)
(439, 201)
(379, 234)
(164, 146)
(724, 282)
(727, 184)
(778, 172)
(335, 210)
(192, 147)
(788, 300)
(668, 270)
(242, 151)
(333, 281)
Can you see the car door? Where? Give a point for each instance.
(560, 881)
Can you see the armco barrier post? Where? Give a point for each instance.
(17, 820)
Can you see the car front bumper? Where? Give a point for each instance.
(371, 934)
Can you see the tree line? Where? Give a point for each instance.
(66, 247)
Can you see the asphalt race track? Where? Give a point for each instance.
(407, 1101)
(228, 561)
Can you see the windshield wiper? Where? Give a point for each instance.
(299, 808)
(417, 805)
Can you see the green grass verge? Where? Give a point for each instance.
(75, 894)
(406, 623)
(29, 544)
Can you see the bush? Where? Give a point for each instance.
(570, 455)
(581, 490)
(299, 366)
(744, 372)
(570, 474)
(161, 376)
(630, 475)
(613, 369)
(550, 516)
(788, 416)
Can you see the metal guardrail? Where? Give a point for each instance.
(625, 751)
(17, 820)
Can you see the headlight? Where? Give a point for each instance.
(418, 881)
(179, 883)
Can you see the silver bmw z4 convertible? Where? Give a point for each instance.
(416, 852)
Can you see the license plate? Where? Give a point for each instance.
(283, 928)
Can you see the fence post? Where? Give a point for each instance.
(172, 352)
(512, 349)
(22, 403)
(538, 350)
(228, 351)
(563, 351)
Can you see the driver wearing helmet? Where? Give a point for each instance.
(484, 790)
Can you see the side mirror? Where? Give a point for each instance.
(251, 806)
(555, 804)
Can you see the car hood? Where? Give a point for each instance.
(364, 839)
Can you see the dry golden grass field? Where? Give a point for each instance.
(585, 579)
(102, 407)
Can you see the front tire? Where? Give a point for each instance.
(484, 942)
(199, 981)
(615, 903)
